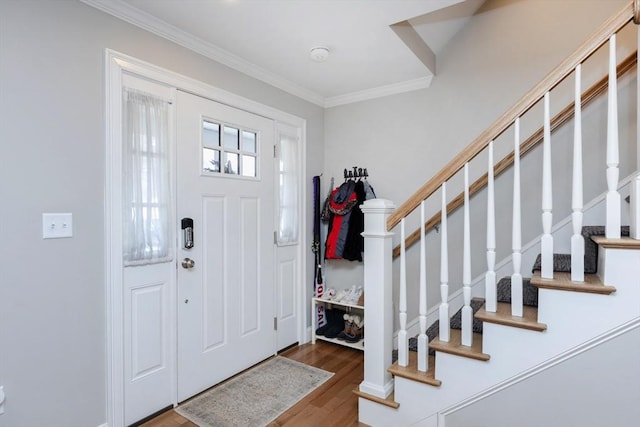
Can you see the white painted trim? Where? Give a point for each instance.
(556, 360)
(456, 300)
(563, 223)
(134, 16)
(113, 243)
(379, 92)
(115, 65)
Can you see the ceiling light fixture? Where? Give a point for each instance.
(319, 53)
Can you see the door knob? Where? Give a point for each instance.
(188, 263)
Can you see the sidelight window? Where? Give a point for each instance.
(146, 179)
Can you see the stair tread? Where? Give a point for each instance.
(562, 281)
(411, 370)
(503, 316)
(389, 401)
(622, 243)
(454, 346)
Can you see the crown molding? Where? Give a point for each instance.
(134, 16)
(141, 19)
(379, 92)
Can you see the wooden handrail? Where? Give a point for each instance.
(558, 120)
(601, 36)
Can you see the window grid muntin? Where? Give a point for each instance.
(223, 142)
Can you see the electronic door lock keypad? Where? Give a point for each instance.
(187, 233)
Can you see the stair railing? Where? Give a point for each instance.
(381, 283)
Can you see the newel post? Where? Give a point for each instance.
(378, 308)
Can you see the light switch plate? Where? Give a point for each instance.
(57, 225)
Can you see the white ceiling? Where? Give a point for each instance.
(271, 39)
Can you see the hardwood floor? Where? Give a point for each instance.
(331, 405)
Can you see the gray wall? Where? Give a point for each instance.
(52, 292)
(505, 49)
(600, 387)
(52, 295)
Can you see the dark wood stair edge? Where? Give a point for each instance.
(389, 401)
(562, 281)
(503, 317)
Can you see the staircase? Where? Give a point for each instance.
(521, 328)
(507, 349)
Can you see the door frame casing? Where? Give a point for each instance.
(116, 64)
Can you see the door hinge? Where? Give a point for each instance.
(275, 237)
(275, 323)
(275, 151)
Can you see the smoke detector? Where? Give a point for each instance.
(319, 53)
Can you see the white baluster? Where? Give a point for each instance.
(516, 237)
(490, 276)
(403, 342)
(577, 241)
(444, 271)
(423, 351)
(612, 225)
(546, 243)
(634, 217)
(467, 312)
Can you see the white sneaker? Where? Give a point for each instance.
(339, 297)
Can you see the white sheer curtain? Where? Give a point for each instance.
(146, 180)
(289, 199)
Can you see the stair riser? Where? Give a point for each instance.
(593, 314)
(616, 268)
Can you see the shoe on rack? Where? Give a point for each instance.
(336, 324)
(355, 296)
(340, 295)
(357, 330)
(329, 294)
(330, 315)
(348, 323)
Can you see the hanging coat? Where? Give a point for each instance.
(354, 244)
(341, 202)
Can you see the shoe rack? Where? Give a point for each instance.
(349, 308)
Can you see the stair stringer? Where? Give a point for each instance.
(631, 371)
(572, 319)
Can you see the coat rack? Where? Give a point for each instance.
(355, 173)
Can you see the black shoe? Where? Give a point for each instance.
(336, 324)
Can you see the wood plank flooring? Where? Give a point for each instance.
(331, 405)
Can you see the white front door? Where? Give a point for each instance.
(225, 281)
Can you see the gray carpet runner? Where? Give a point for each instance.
(561, 263)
